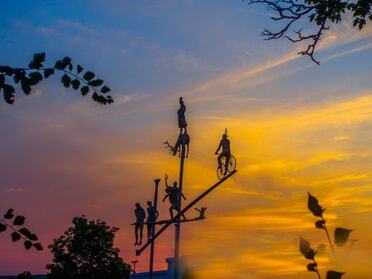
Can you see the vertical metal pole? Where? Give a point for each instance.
(153, 229)
(134, 266)
(178, 224)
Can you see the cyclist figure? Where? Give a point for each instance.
(225, 145)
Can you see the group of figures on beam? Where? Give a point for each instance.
(172, 194)
(226, 164)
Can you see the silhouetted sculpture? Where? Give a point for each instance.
(173, 194)
(182, 124)
(201, 212)
(140, 219)
(226, 152)
(152, 215)
(182, 140)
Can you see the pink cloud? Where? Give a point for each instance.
(14, 190)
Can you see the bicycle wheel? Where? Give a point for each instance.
(232, 164)
(221, 170)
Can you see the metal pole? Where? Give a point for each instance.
(153, 229)
(134, 268)
(178, 224)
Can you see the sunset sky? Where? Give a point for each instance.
(295, 127)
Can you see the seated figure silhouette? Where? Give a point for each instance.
(226, 152)
(201, 212)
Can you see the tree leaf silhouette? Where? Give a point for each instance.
(8, 93)
(3, 227)
(9, 214)
(88, 76)
(312, 267)
(15, 236)
(341, 236)
(321, 250)
(314, 206)
(334, 274)
(306, 249)
(19, 221)
(38, 246)
(320, 224)
(27, 244)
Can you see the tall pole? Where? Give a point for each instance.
(178, 224)
(153, 229)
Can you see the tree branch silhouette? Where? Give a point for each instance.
(322, 13)
(12, 222)
(73, 77)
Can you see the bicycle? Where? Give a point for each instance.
(225, 169)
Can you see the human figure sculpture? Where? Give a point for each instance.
(173, 194)
(152, 215)
(182, 124)
(201, 212)
(140, 219)
(226, 152)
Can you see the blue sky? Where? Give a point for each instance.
(295, 127)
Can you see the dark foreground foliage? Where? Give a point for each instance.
(86, 250)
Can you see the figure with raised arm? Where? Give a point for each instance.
(182, 124)
(173, 194)
(226, 152)
(140, 219)
(152, 215)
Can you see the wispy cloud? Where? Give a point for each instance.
(130, 98)
(48, 31)
(14, 190)
(348, 52)
(344, 33)
(77, 26)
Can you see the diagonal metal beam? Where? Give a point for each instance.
(191, 204)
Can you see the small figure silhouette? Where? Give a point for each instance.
(152, 215)
(182, 124)
(173, 194)
(140, 219)
(226, 152)
(201, 212)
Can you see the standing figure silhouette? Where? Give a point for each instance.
(140, 219)
(182, 124)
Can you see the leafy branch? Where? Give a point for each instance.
(321, 12)
(13, 222)
(341, 236)
(71, 77)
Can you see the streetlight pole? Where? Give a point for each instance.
(134, 268)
